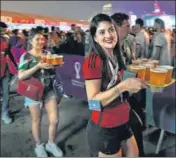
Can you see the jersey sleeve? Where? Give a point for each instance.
(92, 67)
(24, 62)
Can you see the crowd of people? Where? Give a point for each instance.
(110, 45)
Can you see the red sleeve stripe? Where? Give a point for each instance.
(92, 61)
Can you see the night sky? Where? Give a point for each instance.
(82, 10)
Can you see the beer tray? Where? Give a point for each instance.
(159, 89)
(58, 64)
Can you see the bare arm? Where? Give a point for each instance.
(24, 74)
(106, 97)
(93, 89)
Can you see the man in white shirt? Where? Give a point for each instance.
(142, 40)
(161, 44)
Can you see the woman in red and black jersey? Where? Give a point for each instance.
(103, 69)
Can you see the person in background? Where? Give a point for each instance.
(133, 30)
(31, 31)
(132, 44)
(73, 45)
(46, 34)
(161, 44)
(128, 48)
(132, 41)
(25, 38)
(142, 40)
(73, 27)
(8, 34)
(31, 66)
(4, 76)
(22, 43)
(78, 44)
(109, 125)
(173, 50)
(122, 24)
(51, 45)
(79, 30)
(14, 39)
(58, 31)
(67, 46)
(39, 29)
(54, 36)
(87, 43)
(62, 36)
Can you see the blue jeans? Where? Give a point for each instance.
(5, 93)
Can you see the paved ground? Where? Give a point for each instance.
(16, 139)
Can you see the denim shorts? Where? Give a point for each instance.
(47, 95)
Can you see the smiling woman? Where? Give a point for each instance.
(106, 92)
(31, 67)
(106, 35)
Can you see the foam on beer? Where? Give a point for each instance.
(55, 55)
(159, 70)
(148, 65)
(138, 67)
(136, 61)
(144, 59)
(166, 67)
(153, 61)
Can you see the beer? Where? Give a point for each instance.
(59, 59)
(147, 72)
(136, 62)
(157, 76)
(55, 59)
(140, 70)
(144, 60)
(169, 73)
(49, 59)
(43, 59)
(154, 62)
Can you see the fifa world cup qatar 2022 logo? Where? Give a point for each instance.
(77, 70)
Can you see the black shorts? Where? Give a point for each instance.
(106, 140)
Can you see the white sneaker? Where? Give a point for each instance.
(40, 151)
(54, 149)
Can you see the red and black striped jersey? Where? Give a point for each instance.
(114, 114)
(92, 67)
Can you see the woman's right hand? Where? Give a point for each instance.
(42, 65)
(134, 85)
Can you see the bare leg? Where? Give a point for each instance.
(52, 110)
(118, 154)
(132, 148)
(36, 119)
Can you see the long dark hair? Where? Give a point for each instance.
(30, 37)
(95, 47)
